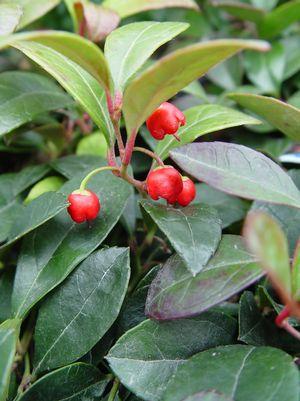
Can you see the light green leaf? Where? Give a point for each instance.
(9, 332)
(194, 231)
(127, 48)
(52, 251)
(296, 273)
(24, 96)
(173, 73)
(48, 184)
(150, 348)
(125, 8)
(238, 170)
(281, 115)
(267, 241)
(10, 16)
(92, 297)
(201, 120)
(93, 144)
(232, 368)
(78, 82)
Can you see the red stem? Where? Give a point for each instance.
(283, 315)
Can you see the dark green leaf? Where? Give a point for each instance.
(208, 396)
(231, 369)
(238, 170)
(6, 287)
(69, 165)
(78, 313)
(48, 184)
(176, 293)
(194, 231)
(241, 10)
(149, 348)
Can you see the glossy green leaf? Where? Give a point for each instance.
(32, 9)
(79, 83)
(10, 16)
(68, 165)
(50, 254)
(149, 348)
(24, 96)
(238, 170)
(76, 48)
(48, 184)
(6, 287)
(241, 10)
(174, 72)
(210, 395)
(175, 293)
(194, 231)
(280, 18)
(201, 120)
(92, 297)
(125, 8)
(232, 368)
(93, 144)
(281, 115)
(75, 382)
(9, 332)
(128, 47)
(35, 214)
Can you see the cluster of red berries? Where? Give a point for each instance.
(162, 182)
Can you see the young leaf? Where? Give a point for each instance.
(127, 48)
(24, 96)
(267, 241)
(52, 251)
(150, 347)
(78, 381)
(9, 331)
(201, 120)
(10, 16)
(175, 293)
(91, 297)
(238, 170)
(79, 83)
(283, 116)
(173, 73)
(125, 8)
(194, 231)
(230, 369)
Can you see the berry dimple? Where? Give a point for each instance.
(84, 206)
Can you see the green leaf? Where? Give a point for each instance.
(230, 208)
(232, 368)
(201, 120)
(210, 395)
(24, 96)
(175, 293)
(194, 231)
(9, 332)
(238, 170)
(127, 48)
(78, 82)
(280, 18)
(150, 348)
(292, 55)
(48, 184)
(6, 287)
(81, 51)
(241, 10)
(296, 273)
(32, 9)
(75, 382)
(41, 266)
(281, 115)
(268, 242)
(93, 144)
(91, 297)
(173, 73)
(67, 165)
(35, 214)
(10, 16)
(125, 8)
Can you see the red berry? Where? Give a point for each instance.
(164, 182)
(165, 120)
(84, 206)
(188, 193)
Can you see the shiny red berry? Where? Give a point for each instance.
(84, 206)
(165, 120)
(188, 193)
(164, 182)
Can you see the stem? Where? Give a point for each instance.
(26, 376)
(94, 172)
(283, 315)
(129, 148)
(118, 136)
(149, 153)
(290, 329)
(114, 389)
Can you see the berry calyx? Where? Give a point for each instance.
(84, 206)
(164, 182)
(165, 120)
(188, 193)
